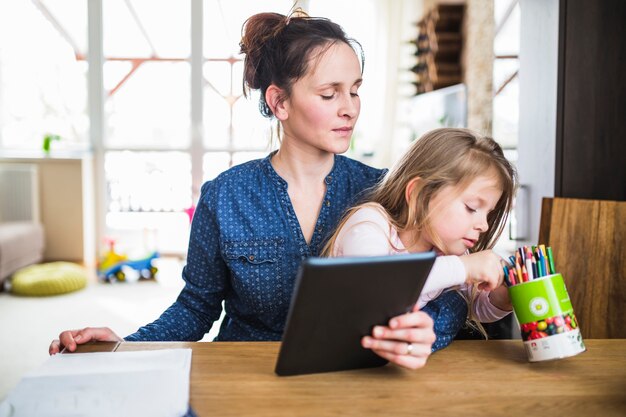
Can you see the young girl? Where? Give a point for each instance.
(451, 193)
(256, 222)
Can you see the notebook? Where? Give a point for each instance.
(143, 383)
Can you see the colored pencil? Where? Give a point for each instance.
(544, 265)
(506, 276)
(529, 269)
(551, 260)
(521, 254)
(528, 263)
(543, 250)
(539, 265)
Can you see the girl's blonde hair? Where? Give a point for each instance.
(440, 158)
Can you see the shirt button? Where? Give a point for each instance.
(329, 179)
(251, 257)
(327, 203)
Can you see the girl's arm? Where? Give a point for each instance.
(484, 269)
(447, 271)
(365, 233)
(485, 309)
(368, 233)
(500, 298)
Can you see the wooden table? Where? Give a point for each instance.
(469, 378)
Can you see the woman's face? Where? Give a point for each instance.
(324, 105)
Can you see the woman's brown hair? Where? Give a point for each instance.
(279, 49)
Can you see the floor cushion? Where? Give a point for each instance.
(49, 279)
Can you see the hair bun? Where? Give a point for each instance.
(257, 33)
(277, 49)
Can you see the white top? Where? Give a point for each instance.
(368, 233)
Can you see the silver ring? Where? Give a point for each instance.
(409, 348)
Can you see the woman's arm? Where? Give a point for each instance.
(200, 302)
(197, 306)
(71, 338)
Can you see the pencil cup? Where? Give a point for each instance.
(547, 322)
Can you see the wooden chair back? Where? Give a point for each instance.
(589, 246)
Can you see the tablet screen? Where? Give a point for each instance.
(337, 301)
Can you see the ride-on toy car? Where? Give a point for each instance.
(116, 267)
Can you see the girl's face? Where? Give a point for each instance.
(459, 216)
(324, 105)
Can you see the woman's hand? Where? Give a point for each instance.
(407, 341)
(69, 339)
(483, 268)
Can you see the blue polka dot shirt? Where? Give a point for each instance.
(245, 249)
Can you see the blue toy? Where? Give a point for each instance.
(117, 268)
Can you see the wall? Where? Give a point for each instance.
(591, 128)
(478, 56)
(537, 113)
(572, 140)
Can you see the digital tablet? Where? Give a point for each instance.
(337, 301)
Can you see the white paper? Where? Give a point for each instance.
(144, 383)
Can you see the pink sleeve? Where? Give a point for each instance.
(366, 233)
(447, 271)
(484, 311)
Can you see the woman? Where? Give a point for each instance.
(256, 222)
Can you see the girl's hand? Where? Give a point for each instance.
(71, 338)
(407, 341)
(500, 298)
(483, 268)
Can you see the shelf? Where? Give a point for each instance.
(439, 46)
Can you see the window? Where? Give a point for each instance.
(173, 114)
(234, 130)
(43, 76)
(505, 73)
(506, 98)
(147, 164)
